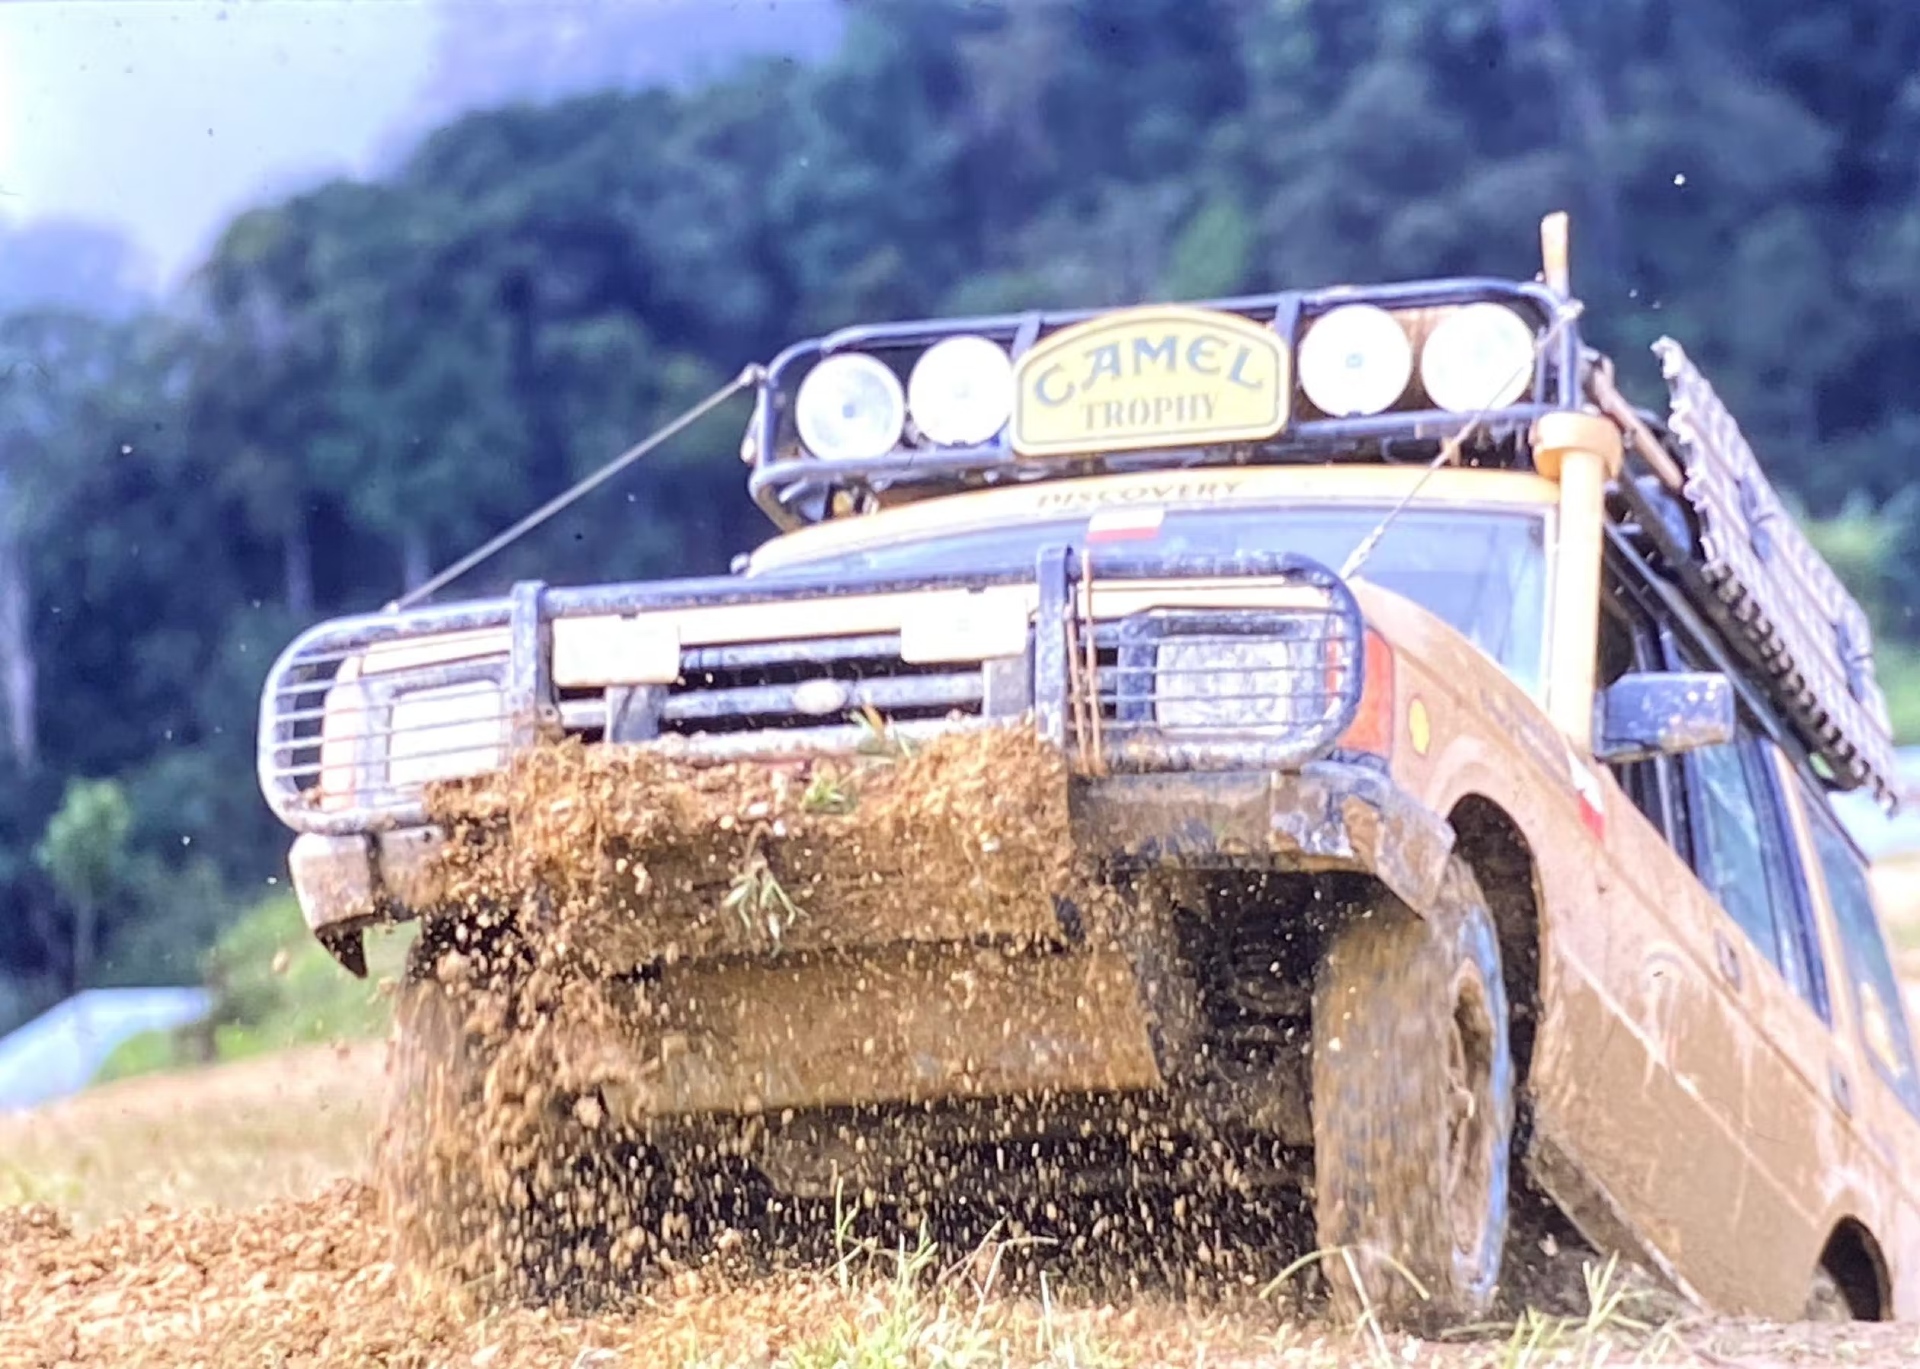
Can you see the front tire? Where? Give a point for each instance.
(1413, 1105)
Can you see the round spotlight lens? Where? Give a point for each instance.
(1355, 361)
(961, 391)
(1480, 357)
(850, 408)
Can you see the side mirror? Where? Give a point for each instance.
(1663, 715)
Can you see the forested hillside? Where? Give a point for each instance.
(367, 378)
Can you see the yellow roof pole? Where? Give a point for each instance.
(1555, 260)
(1581, 452)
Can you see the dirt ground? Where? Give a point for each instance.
(232, 1216)
(274, 1127)
(270, 1250)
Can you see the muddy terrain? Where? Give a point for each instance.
(313, 1281)
(255, 1215)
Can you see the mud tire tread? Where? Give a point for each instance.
(1382, 1009)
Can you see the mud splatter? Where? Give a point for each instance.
(616, 857)
(550, 1007)
(312, 1283)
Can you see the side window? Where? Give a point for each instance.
(1869, 969)
(1628, 642)
(1739, 845)
(1727, 826)
(1616, 652)
(1721, 808)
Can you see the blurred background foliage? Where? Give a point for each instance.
(365, 378)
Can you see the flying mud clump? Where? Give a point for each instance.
(548, 999)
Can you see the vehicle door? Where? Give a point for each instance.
(1794, 1107)
(1643, 1112)
(1874, 1048)
(1711, 952)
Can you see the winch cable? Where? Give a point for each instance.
(748, 378)
(1450, 449)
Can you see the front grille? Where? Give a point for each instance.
(745, 689)
(774, 697)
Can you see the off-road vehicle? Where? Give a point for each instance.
(1457, 738)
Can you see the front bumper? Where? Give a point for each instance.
(347, 883)
(1325, 816)
(1333, 815)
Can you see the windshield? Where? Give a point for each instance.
(1481, 570)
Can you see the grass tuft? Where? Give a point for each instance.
(920, 1315)
(878, 737)
(1608, 1330)
(759, 899)
(827, 792)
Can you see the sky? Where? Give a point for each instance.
(162, 118)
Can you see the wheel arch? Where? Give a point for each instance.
(1855, 1261)
(1491, 843)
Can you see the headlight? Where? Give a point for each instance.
(346, 722)
(1217, 683)
(1480, 357)
(850, 408)
(961, 391)
(1355, 361)
(446, 732)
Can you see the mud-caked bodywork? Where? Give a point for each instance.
(1439, 794)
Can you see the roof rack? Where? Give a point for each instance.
(794, 488)
(1727, 540)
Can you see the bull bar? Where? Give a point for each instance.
(1088, 686)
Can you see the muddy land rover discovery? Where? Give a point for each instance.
(1455, 738)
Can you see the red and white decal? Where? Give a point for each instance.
(1593, 802)
(1126, 525)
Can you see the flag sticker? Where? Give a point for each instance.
(1593, 799)
(1126, 525)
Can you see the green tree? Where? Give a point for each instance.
(83, 852)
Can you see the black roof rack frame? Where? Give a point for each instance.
(793, 488)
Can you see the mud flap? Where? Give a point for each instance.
(347, 945)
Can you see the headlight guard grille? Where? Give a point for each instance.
(1201, 688)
